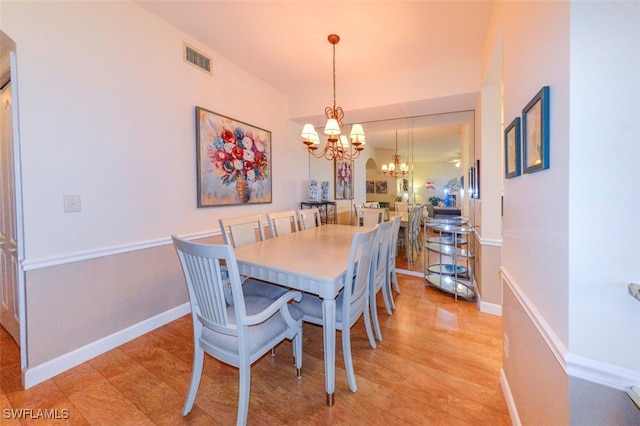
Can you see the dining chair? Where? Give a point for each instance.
(357, 208)
(353, 300)
(281, 223)
(239, 231)
(413, 245)
(309, 218)
(372, 216)
(393, 253)
(239, 334)
(379, 275)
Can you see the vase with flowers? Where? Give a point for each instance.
(238, 157)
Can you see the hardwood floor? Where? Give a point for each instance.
(438, 364)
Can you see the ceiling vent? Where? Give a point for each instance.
(197, 59)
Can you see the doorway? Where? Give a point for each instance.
(12, 293)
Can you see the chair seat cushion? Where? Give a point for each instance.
(253, 287)
(311, 306)
(259, 335)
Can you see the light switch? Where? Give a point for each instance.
(72, 203)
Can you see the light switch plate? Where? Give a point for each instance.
(72, 203)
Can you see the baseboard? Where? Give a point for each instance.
(490, 308)
(601, 373)
(508, 397)
(49, 369)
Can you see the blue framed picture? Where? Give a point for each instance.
(512, 146)
(535, 132)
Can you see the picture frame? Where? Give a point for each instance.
(381, 187)
(370, 186)
(430, 185)
(535, 133)
(476, 180)
(512, 150)
(344, 179)
(233, 161)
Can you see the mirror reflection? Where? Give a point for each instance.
(436, 150)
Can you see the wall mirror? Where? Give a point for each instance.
(438, 150)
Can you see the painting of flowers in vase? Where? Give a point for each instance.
(344, 179)
(233, 161)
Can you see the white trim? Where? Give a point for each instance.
(602, 373)
(45, 262)
(490, 308)
(508, 397)
(42, 372)
(487, 241)
(558, 348)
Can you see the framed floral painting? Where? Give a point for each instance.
(233, 161)
(344, 179)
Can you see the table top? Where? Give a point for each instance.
(313, 260)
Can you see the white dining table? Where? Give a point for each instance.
(315, 261)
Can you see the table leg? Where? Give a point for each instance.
(329, 334)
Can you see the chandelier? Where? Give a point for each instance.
(337, 146)
(395, 169)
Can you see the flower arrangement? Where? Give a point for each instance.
(238, 155)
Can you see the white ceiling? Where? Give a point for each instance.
(284, 43)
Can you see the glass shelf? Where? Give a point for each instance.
(451, 285)
(447, 269)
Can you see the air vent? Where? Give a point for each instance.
(197, 59)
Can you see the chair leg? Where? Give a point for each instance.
(297, 350)
(348, 361)
(196, 374)
(374, 314)
(244, 392)
(367, 326)
(386, 295)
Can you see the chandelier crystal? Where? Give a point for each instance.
(395, 169)
(337, 146)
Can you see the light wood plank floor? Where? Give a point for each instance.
(438, 364)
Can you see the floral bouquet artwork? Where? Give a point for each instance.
(344, 179)
(234, 161)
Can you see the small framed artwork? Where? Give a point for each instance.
(405, 185)
(476, 180)
(512, 146)
(430, 184)
(381, 187)
(535, 133)
(233, 161)
(344, 179)
(370, 187)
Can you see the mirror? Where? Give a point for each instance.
(438, 150)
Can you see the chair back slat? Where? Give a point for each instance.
(356, 290)
(281, 223)
(240, 231)
(309, 218)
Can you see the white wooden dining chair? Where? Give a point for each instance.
(309, 218)
(242, 230)
(371, 216)
(281, 223)
(239, 334)
(379, 276)
(353, 300)
(393, 254)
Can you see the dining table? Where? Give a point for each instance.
(315, 261)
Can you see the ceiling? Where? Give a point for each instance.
(381, 38)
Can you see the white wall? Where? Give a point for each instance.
(605, 124)
(108, 114)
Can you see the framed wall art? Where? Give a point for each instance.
(381, 187)
(476, 180)
(512, 144)
(535, 133)
(370, 187)
(233, 161)
(344, 179)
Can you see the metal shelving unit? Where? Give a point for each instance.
(453, 270)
